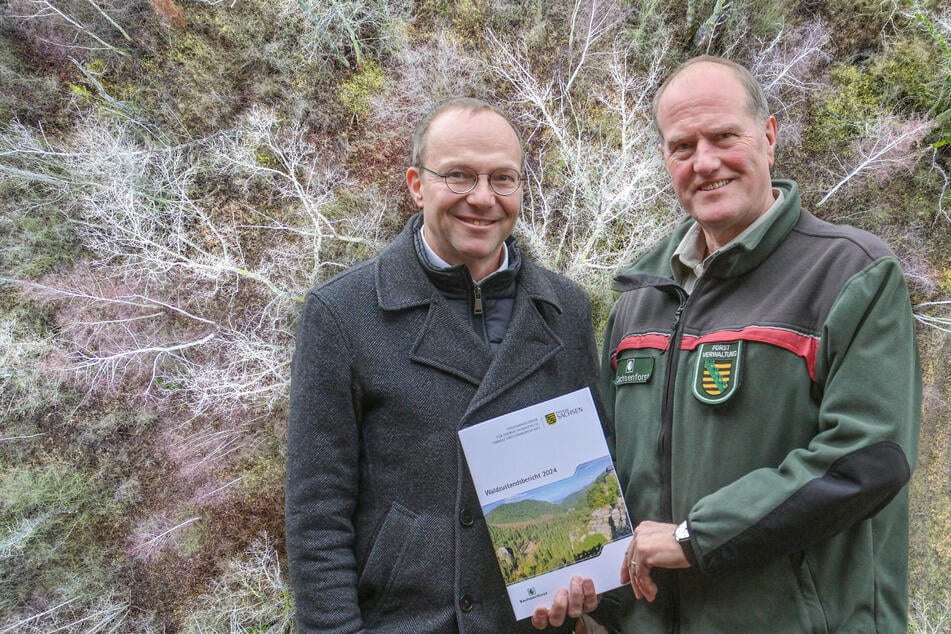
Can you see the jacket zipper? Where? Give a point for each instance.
(667, 417)
(476, 300)
(667, 411)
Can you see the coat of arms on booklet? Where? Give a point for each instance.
(550, 497)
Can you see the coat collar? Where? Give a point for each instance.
(402, 282)
(448, 344)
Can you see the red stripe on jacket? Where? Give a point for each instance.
(804, 346)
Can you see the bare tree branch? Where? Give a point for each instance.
(160, 301)
(887, 145)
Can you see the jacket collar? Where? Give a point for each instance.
(749, 252)
(456, 281)
(401, 282)
(739, 258)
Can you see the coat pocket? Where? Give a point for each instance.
(812, 614)
(398, 532)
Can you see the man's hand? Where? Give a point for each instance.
(578, 599)
(653, 546)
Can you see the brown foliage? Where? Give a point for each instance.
(170, 13)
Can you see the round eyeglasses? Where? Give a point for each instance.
(462, 180)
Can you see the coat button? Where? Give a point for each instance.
(465, 603)
(465, 517)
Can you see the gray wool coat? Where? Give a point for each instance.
(384, 528)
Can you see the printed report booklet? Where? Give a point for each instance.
(551, 498)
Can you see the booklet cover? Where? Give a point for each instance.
(551, 498)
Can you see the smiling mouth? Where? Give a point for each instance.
(709, 187)
(478, 222)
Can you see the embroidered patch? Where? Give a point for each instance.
(717, 374)
(634, 370)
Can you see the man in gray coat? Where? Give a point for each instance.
(449, 326)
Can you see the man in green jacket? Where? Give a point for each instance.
(761, 374)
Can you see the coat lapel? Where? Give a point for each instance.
(451, 346)
(447, 344)
(529, 341)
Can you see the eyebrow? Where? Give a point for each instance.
(453, 164)
(730, 127)
(674, 140)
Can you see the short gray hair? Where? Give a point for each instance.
(756, 103)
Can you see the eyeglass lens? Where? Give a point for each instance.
(503, 181)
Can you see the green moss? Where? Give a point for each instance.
(908, 76)
(852, 101)
(192, 540)
(197, 84)
(35, 239)
(51, 489)
(48, 244)
(357, 91)
(265, 472)
(904, 80)
(205, 76)
(51, 517)
(944, 283)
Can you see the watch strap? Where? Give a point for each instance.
(686, 545)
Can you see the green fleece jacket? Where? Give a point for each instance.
(776, 409)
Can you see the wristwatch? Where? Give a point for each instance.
(682, 533)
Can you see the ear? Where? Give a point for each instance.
(771, 134)
(415, 185)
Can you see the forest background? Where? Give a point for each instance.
(175, 174)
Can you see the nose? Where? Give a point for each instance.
(482, 194)
(706, 158)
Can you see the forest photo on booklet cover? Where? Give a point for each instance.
(558, 524)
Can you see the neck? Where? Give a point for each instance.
(482, 270)
(712, 241)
